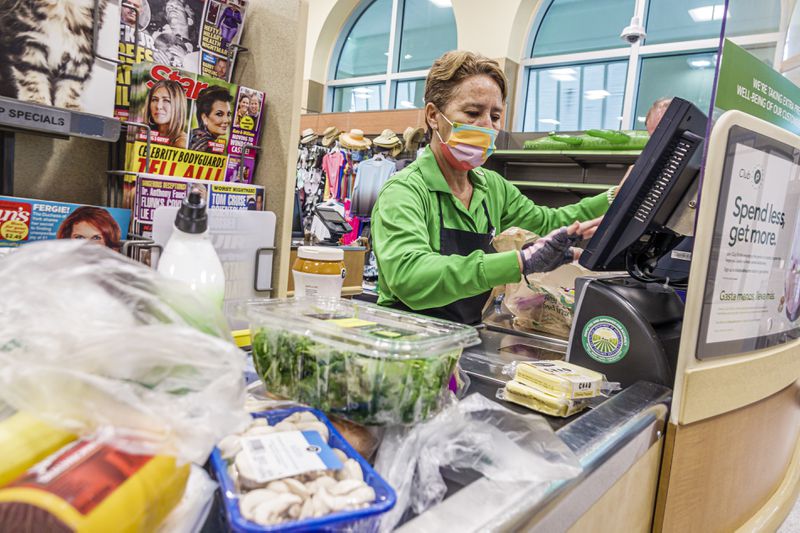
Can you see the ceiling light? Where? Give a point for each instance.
(407, 56)
(549, 121)
(362, 90)
(407, 105)
(362, 96)
(641, 119)
(596, 94)
(386, 54)
(699, 63)
(562, 74)
(442, 3)
(708, 13)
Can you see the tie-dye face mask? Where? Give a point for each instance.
(468, 146)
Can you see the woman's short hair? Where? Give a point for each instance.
(177, 122)
(97, 217)
(207, 97)
(452, 68)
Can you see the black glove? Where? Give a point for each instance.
(549, 252)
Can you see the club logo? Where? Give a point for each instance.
(755, 175)
(605, 339)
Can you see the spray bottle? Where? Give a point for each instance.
(189, 255)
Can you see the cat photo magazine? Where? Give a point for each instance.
(47, 53)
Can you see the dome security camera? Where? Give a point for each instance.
(633, 33)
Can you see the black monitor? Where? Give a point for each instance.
(334, 222)
(634, 233)
(297, 218)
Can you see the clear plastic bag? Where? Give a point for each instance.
(475, 434)
(90, 340)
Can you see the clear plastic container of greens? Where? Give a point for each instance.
(369, 364)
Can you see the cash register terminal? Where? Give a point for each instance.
(628, 326)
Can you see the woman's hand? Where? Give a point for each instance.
(587, 229)
(551, 251)
(557, 248)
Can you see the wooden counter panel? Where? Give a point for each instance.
(370, 122)
(719, 472)
(628, 505)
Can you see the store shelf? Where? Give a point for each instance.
(21, 116)
(524, 157)
(595, 187)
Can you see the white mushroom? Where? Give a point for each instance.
(268, 512)
(278, 486)
(254, 431)
(253, 499)
(283, 425)
(301, 416)
(297, 488)
(351, 470)
(328, 500)
(307, 510)
(345, 487)
(323, 482)
(230, 446)
(247, 472)
(294, 511)
(321, 502)
(361, 496)
(341, 455)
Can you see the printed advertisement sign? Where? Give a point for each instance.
(749, 85)
(752, 297)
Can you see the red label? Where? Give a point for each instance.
(190, 86)
(83, 474)
(14, 220)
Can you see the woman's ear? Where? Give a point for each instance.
(430, 116)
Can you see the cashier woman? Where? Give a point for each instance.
(433, 223)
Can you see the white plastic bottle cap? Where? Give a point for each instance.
(320, 253)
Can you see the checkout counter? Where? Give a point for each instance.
(705, 434)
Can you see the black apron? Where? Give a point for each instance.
(459, 242)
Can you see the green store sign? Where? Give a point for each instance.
(749, 85)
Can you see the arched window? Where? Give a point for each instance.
(582, 75)
(385, 52)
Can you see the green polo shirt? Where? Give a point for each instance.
(405, 233)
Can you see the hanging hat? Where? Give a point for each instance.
(330, 135)
(308, 136)
(387, 139)
(412, 137)
(355, 140)
(397, 149)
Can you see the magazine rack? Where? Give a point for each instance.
(27, 117)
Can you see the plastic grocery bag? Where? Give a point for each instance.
(545, 302)
(475, 434)
(90, 340)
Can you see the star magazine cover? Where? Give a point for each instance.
(47, 53)
(200, 126)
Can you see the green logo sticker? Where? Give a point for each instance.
(605, 339)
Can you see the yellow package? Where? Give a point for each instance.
(521, 394)
(89, 486)
(560, 379)
(24, 441)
